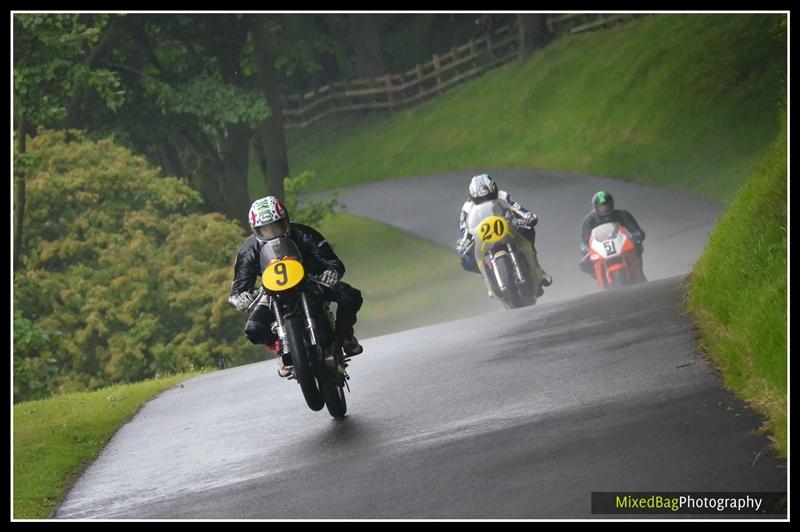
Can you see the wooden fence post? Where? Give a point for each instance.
(389, 91)
(419, 79)
(284, 107)
(474, 53)
(437, 65)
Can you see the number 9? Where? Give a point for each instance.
(280, 269)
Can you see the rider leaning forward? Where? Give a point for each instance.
(268, 220)
(483, 188)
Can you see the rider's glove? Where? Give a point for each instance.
(584, 250)
(461, 245)
(530, 218)
(637, 237)
(329, 277)
(241, 302)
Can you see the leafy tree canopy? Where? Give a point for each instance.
(124, 278)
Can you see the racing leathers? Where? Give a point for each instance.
(530, 219)
(318, 258)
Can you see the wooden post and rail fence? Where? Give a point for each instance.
(425, 81)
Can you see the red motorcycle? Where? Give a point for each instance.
(614, 258)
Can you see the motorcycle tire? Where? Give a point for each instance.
(617, 281)
(334, 399)
(505, 269)
(304, 373)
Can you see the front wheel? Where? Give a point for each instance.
(505, 271)
(304, 373)
(617, 280)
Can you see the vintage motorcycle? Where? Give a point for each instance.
(613, 255)
(504, 257)
(305, 326)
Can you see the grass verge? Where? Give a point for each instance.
(737, 293)
(406, 281)
(684, 101)
(55, 438)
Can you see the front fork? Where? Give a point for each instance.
(310, 325)
(276, 311)
(328, 356)
(517, 270)
(515, 262)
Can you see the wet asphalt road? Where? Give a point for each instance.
(514, 414)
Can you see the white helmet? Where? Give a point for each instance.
(268, 219)
(482, 188)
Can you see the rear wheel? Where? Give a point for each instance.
(334, 399)
(302, 365)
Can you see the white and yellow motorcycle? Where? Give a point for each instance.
(504, 257)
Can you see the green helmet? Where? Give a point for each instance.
(603, 204)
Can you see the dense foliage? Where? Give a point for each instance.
(123, 279)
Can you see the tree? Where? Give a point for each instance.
(366, 37)
(200, 90)
(126, 277)
(188, 82)
(54, 61)
(533, 33)
(271, 131)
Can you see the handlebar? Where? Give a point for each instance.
(257, 296)
(260, 293)
(314, 278)
(518, 222)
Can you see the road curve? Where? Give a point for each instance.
(677, 224)
(514, 414)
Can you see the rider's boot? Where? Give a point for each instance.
(545, 279)
(351, 346)
(285, 368)
(344, 331)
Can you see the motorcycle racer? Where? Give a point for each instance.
(482, 188)
(269, 219)
(602, 212)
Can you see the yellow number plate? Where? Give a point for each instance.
(493, 229)
(282, 275)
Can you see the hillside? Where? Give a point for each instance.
(686, 101)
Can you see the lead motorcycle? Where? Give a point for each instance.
(613, 256)
(305, 326)
(504, 257)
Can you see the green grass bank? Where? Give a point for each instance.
(737, 293)
(55, 438)
(684, 101)
(406, 281)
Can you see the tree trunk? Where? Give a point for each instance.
(533, 33)
(222, 176)
(273, 137)
(76, 112)
(19, 193)
(366, 37)
(170, 162)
